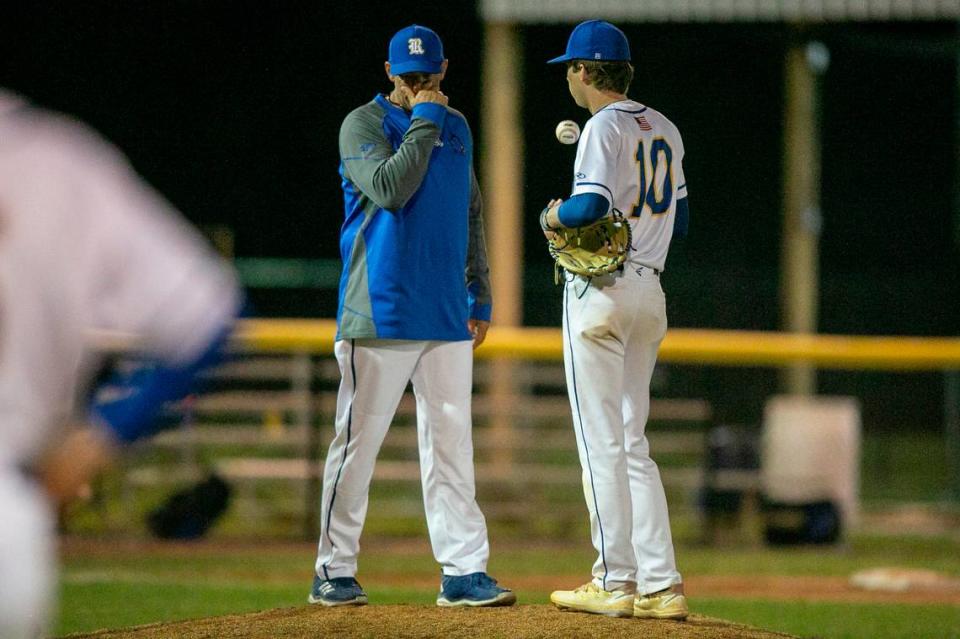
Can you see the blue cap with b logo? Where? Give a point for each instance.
(595, 40)
(415, 49)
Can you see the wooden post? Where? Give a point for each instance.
(301, 385)
(951, 428)
(951, 386)
(802, 217)
(956, 177)
(502, 187)
(502, 153)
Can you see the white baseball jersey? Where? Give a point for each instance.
(84, 244)
(632, 155)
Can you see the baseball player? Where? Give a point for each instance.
(414, 302)
(84, 244)
(629, 159)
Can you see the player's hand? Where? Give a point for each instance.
(74, 461)
(552, 206)
(478, 328)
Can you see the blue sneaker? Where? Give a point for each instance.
(339, 591)
(476, 589)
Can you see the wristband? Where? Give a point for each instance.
(544, 224)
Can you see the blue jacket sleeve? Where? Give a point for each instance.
(142, 394)
(583, 209)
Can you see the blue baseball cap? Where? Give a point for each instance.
(595, 40)
(415, 49)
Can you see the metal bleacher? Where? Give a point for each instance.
(267, 420)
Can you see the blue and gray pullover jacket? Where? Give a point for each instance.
(412, 242)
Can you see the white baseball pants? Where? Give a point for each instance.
(612, 329)
(374, 375)
(27, 559)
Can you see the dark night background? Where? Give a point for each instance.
(231, 110)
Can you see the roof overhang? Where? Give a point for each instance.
(569, 11)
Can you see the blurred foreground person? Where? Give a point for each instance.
(84, 244)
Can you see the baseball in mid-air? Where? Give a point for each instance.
(568, 132)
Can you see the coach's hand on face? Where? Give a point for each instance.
(437, 97)
(413, 98)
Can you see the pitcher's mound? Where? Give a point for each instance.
(418, 622)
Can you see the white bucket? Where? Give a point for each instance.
(811, 452)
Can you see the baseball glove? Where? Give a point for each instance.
(596, 249)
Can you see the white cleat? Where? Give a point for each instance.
(592, 598)
(664, 604)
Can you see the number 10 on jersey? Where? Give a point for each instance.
(658, 194)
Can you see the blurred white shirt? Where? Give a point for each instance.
(85, 244)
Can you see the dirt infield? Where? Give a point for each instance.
(768, 587)
(416, 622)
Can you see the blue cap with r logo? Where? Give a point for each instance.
(415, 49)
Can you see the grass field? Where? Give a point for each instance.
(122, 583)
(110, 580)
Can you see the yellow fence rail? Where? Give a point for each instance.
(682, 345)
(305, 338)
(692, 346)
